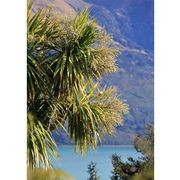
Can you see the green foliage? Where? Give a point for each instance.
(40, 144)
(145, 145)
(137, 169)
(92, 171)
(49, 174)
(147, 174)
(95, 113)
(125, 170)
(66, 57)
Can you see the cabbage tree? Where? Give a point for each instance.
(66, 59)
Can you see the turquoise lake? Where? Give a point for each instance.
(76, 165)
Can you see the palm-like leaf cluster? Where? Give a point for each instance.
(93, 113)
(65, 60)
(39, 140)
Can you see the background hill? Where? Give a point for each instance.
(130, 23)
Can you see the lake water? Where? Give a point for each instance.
(76, 165)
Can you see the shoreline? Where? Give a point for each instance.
(101, 145)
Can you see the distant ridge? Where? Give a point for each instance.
(62, 7)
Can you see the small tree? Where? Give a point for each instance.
(92, 171)
(134, 169)
(125, 170)
(145, 145)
